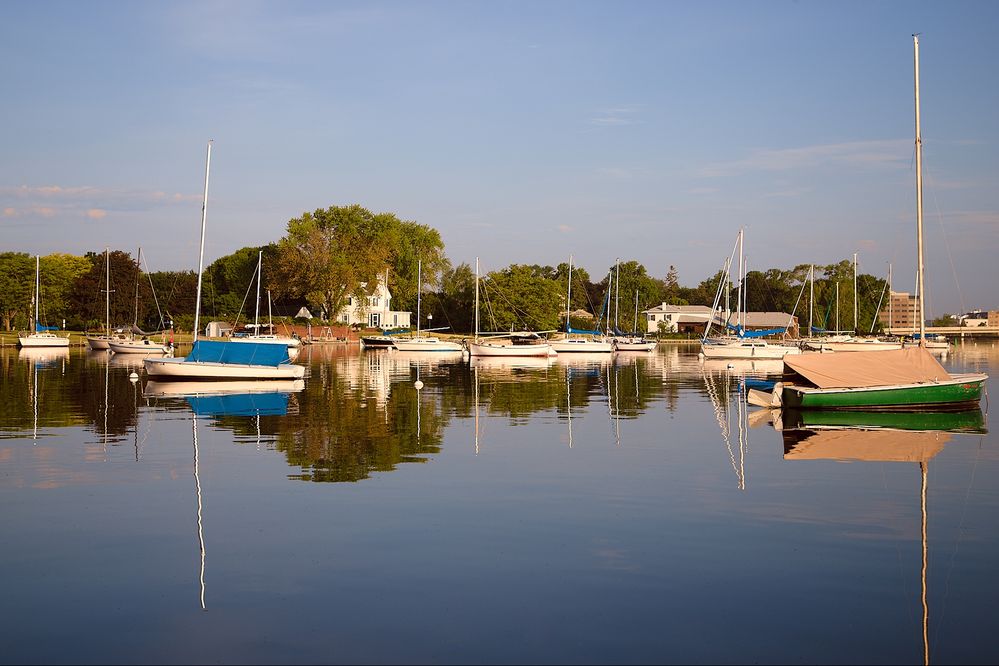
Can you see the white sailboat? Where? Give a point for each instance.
(635, 342)
(141, 344)
(423, 343)
(569, 344)
(490, 346)
(257, 336)
(101, 342)
(741, 347)
(211, 359)
(40, 337)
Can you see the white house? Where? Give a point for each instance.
(678, 318)
(374, 311)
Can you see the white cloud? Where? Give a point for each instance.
(892, 153)
(564, 228)
(96, 214)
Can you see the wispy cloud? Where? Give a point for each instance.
(564, 228)
(96, 214)
(618, 173)
(93, 202)
(892, 153)
(616, 117)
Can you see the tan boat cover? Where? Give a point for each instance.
(871, 368)
(869, 445)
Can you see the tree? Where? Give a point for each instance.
(521, 297)
(87, 300)
(17, 281)
(57, 274)
(334, 253)
(413, 243)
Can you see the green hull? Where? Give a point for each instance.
(953, 395)
(971, 420)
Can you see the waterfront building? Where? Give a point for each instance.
(374, 310)
(903, 310)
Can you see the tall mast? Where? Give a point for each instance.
(270, 316)
(201, 256)
(891, 319)
(476, 298)
(38, 289)
(568, 299)
(856, 323)
(837, 306)
(107, 289)
(419, 285)
(256, 313)
(138, 269)
(738, 296)
(728, 289)
(634, 326)
(617, 291)
(811, 299)
(921, 286)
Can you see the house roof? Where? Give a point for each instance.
(702, 310)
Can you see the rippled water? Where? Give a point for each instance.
(616, 509)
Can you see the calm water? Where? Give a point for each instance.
(622, 509)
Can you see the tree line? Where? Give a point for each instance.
(341, 252)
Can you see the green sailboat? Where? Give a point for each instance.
(898, 380)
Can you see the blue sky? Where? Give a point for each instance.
(523, 131)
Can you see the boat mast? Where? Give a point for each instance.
(811, 299)
(837, 306)
(635, 325)
(738, 297)
(568, 299)
(476, 299)
(856, 323)
(107, 289)
(419, 281)
(138, 269)
(921, 287)
(38, 290)
(256, 313)
(617, 291)
(891, 319)
(201, 256)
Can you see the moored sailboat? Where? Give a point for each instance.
(42, 336)
(211, 359)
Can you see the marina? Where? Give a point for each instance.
(600, 507)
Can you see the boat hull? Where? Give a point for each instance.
(960, 392)
(427, 345)
(750, 351)
(179, 368)
(137, 347)
(377, 342)
(626, 345)
(489, 349)
(853, 346)
(582, 346)
(42, 340)
(99, 344)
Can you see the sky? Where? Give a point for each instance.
(523, 131)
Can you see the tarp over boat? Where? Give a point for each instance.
(864, 445)
(238, 353)
(866, 369)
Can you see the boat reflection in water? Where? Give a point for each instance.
(879, 437)
(236, 398)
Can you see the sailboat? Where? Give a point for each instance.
(579, 344)
(42, 335)
(101, 342)
(901, 380)
(213, 359)
(521, 344)
(747, 344)
(634, 342)
(424, 343)
(265, 338)
(141, 344)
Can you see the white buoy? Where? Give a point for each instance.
(133, 377)
(700, 354)
(418, 384)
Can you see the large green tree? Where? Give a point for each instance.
(521, 297)
(334, 253)
(17, 281)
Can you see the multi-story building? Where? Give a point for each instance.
(901, 313)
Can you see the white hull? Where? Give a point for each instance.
(98, 343)
(157, 389)
(505, 364)
(426, 345)
(270, 340)
(511, 351)
(42, 340)
(853, 346)
(178, 368)
(575, 345)
(137, 347)
(623, 344)
(747, 350)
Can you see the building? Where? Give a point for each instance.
(974, 319)
(374, 311)
(678, 318)
(901, 313)
(994, 318)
